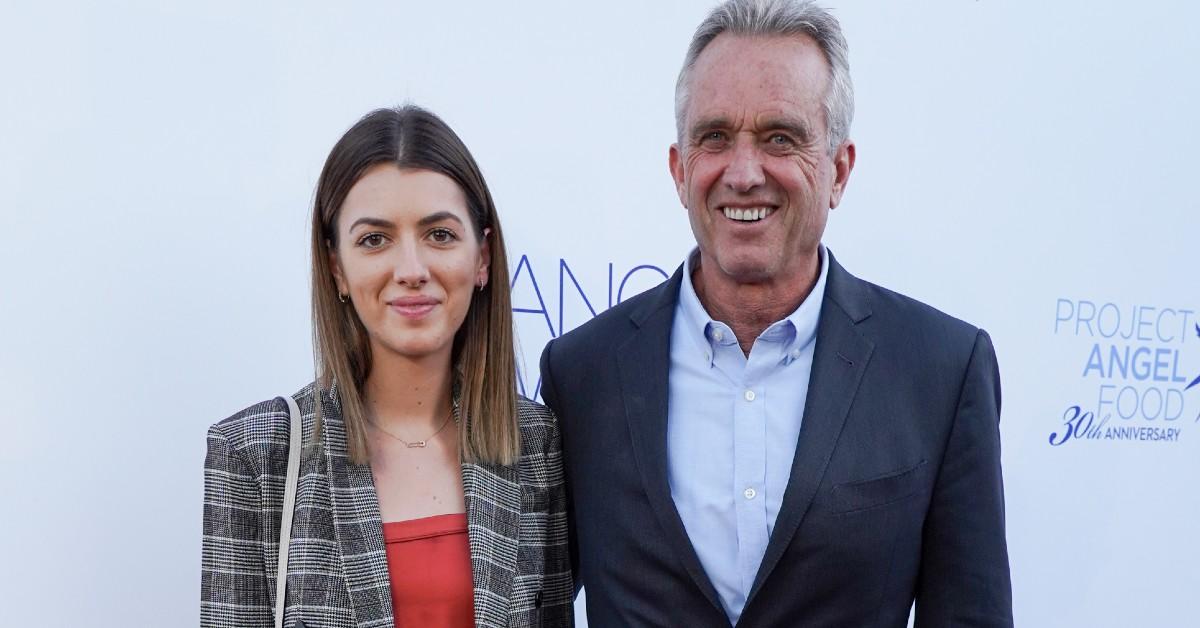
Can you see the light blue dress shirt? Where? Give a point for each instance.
(732, 425)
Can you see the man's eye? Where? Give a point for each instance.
(711, 138)
(442, 236)
(372, 240)
(780, 139)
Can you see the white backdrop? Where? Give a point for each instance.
(1026, 166)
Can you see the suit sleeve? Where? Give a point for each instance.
(233, 581)
(550, 396)
(964, 577)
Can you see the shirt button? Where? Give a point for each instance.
(796, 354)
(749, 395)
(750, 493)
(717, 335)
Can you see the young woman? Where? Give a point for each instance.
(430, 494)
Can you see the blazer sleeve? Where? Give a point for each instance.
(233, 581)
(561, 609)
(964, 577)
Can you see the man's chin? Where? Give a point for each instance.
(746, 271)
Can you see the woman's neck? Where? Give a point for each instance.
(408, 394)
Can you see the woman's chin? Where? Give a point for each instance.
(417, 349)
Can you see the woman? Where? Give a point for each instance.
(430, 494)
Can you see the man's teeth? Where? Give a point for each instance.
(748, 215)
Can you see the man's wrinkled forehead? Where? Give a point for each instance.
(757, 76)
(768, 57)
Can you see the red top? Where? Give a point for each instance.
(429, 565)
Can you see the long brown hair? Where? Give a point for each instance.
(484, 364)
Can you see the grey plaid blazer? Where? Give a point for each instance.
(337, 575)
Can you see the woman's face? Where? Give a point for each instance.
(408, 259)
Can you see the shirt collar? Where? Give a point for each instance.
(800, 325)
(808, 314)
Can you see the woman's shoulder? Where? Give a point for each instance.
(262, 424)
(531, 413)
(539, 428)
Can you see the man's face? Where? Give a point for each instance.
(753, 167)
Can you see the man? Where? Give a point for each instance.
(764, 439)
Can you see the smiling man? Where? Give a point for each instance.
(765, 439)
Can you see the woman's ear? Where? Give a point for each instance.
(485, 259)
(335, 265)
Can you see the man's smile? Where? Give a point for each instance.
(748, 214)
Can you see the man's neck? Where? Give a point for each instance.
(749, 308)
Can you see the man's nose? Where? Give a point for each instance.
(409, 266)
(744, 172)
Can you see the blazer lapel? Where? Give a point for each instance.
(839, 361)
(493, 502)
(358, 525)
(644, 360)
(493, 499)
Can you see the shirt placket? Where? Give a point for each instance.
(749, 429)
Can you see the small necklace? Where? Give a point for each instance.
(416, 443)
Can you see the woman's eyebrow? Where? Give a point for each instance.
(373, 222)
(438, 217)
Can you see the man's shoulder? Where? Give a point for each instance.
(610, 327)
(903, 308)
(895, 315)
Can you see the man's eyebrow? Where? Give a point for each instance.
(438, 217)
(793, 126)
(790, 125)
(709, 124)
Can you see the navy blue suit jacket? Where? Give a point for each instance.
(895, 492)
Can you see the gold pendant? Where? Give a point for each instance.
(419, 443)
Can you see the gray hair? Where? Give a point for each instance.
(779, 18)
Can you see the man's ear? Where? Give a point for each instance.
(675, 163)
(485, 258)
(335, 265)
(843, 163)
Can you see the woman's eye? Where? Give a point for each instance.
(372, 240)
(442, 236)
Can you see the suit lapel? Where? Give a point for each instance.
(839, 361)
(358, 525)
(644, 361)
(493, 499)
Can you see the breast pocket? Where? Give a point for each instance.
(889, 488)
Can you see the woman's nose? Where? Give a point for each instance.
(408, 267)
